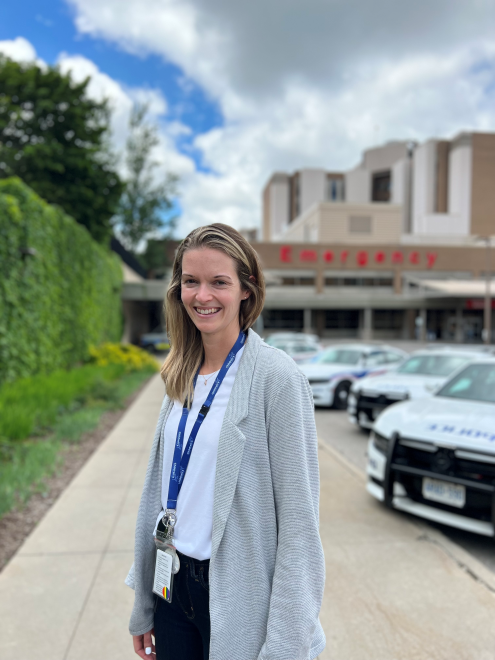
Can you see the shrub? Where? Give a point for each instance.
(59, 289)
(132, 357)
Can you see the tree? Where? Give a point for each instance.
(145, 206)
(55, 138)
(156, 258)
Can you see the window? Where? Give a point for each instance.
(476, 383)
(381, 186)
(297, 197)
(388, 319)
(359, 281)
(335, 189)
(359, 224)
(345, 319)
(298, 281)
(375, 359)
(291, 319)
(433, 365)
(304, 347)
(338, 356)
(394, 358)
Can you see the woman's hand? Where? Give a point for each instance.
(143, 645)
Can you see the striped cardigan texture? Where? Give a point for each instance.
(267, 567)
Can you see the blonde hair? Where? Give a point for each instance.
(186, 346)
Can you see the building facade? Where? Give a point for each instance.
(353, 290)
(388, 291)
(389, 249)
(442, 190)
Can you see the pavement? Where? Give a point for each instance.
(335, 430)
(395, 590)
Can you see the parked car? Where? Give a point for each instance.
(299, 347)
(435, 457)
(419, 376)
(155, 341)
(276, 337)
(332, 372)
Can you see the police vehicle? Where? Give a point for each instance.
(418, 377)
(332, 372)
(435, 457)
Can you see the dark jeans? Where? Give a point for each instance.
(182, 627)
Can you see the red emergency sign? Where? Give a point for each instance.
(362, 258)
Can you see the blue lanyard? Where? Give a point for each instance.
(181, 461)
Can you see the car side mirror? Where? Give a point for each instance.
(433, 389)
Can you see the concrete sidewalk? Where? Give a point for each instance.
(394, 590)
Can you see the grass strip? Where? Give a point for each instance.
(27, 463)
(32, 405)
(24, 469)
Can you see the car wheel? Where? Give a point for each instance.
(341, 395)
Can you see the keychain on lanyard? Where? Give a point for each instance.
(164, 538)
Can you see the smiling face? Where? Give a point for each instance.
(211, 291)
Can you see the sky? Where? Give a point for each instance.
(242, 89)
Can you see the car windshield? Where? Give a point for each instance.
(278, 340)
(433, 365)
(338, 356)
(305, 348)
(294, 347)
(475, 383)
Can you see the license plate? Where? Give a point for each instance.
(444, 492)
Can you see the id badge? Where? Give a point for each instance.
(164, 577)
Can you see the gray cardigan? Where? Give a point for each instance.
(267, 567)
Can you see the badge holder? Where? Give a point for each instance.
(167, 561)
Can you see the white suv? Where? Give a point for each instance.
(419, 376)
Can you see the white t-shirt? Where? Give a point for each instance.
(195, 502)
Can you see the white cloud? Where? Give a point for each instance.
(304, 126)
(308, 84)
(121, 100)
(301, 85)
(176, 30)
(20, 50)
(257, 47)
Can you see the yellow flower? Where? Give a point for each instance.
(132, 357)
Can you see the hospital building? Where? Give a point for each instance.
(399, 247)
(396, 246)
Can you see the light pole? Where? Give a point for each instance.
(487, 321)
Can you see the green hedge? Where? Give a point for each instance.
(59, 290)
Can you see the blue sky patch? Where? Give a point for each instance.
(49, 26)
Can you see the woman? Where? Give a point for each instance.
(245, 523)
